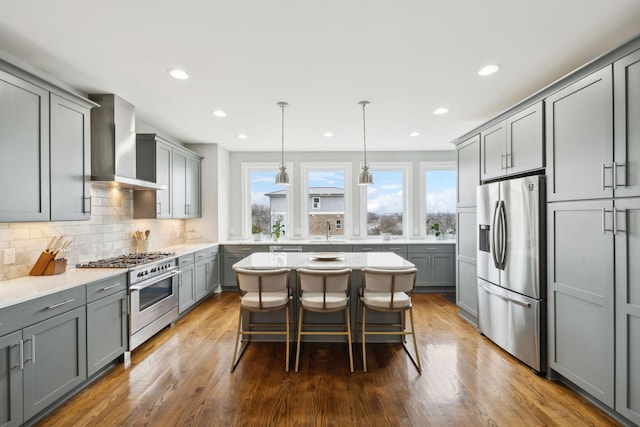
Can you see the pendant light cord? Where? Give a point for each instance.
(364, 132)
(282, 105)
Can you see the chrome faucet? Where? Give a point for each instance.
(328, 223)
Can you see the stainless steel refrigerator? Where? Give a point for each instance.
(511, 267)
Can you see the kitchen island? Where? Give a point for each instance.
(330, 261)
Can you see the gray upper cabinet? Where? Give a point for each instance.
(513, 146)
(626, 166)
(579, 129)
(468, 172)
(581, 295)
(186, 184)
(70, 160)
(154, 162)
(627, 280)
(24, 150)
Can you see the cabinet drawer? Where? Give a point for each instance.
(186, 260)
(106, 287)
(431, 249)
(21, 315)
(367, 248)
(206, 253)
(397, 249)
(245, 249)
(327, 248)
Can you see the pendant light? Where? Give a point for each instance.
(282, 177)
(365, 177)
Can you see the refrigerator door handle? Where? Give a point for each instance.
(515, 301)
(494, 232)
(503, 234)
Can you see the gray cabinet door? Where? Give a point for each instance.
(187, 291)
(179, 184)
(212, 278)
(201, 275)
(59, 363)
(228, 273)
(442, 266)
(154, 160)
(70, 160)
(466, 283)
(24, 150)
(193, 188)
(626, 82)
(579, 136)
(164, 158)
(581, 295)
(421, 261)
(468, 171)
(10, 380)
(628, 308)
(107, 332)
(492, 152)
(525, 147)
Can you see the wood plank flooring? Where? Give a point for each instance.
(181, 378)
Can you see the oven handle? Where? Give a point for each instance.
(152, 281)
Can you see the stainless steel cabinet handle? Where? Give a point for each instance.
(84, 199)
(612, 167)
(615, 220)
(33, 349)
(158, 208)
(21, 355)
(502, 158)
(604, 228)
(508, 162)
(106, 288)
(60, 304)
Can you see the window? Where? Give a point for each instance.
(440, 198)
(266, 202)
(325, 198)
(386, 200)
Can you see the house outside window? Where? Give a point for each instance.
(325, 198)
(264, 201)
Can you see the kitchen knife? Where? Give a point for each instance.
(50, 245)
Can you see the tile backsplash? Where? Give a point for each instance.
(108, 233)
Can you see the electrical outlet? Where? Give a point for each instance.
(9, 256)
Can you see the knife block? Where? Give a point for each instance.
(47, 266)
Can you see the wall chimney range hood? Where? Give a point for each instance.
(113, 144)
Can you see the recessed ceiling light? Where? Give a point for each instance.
(242, 135)
(176, 73)
(488, 70)
(440, 111)
(414, 134)
(219, 113)
(327, 134)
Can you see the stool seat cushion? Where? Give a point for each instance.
(269, 299)
(383, 299)
(314, 300)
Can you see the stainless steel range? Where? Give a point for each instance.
(153, 291)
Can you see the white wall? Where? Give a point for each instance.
(232, 205)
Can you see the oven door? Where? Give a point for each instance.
(152, 298)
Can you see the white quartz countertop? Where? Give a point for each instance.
(342, 242)
(16, 291)
(354, 260)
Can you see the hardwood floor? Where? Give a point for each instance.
(181, 378)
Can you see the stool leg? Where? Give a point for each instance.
(415, 342)
(286, 310)
(348, 324)
(299, 336)
(235, 349)
(364, 348)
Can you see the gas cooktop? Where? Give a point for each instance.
(126, 261)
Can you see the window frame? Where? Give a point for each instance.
(344, 167)
(424, 168)
(246, 169)
(315, 205)
(407, 202)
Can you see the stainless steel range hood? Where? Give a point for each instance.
(113, 144)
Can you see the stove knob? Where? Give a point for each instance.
(140, 274)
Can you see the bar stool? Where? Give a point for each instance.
(324, 291)
(263, 291)
(388, 291)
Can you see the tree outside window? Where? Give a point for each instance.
(440, 185)
(385, 203)
(268, 201)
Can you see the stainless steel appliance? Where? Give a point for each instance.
(153, 280)
(511, 267)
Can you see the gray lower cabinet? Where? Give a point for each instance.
(206, 271)
(187, 290)
(466, 273)
(107, 331)
(627, 279)
(11, 394)
(581, 295)
(70, 156)
(24, 162)
(435, 264)
(579, 136)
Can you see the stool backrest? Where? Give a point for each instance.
(262, 280)
(379, 280)
(324, 280)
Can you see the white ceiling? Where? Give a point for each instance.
(407, 57)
